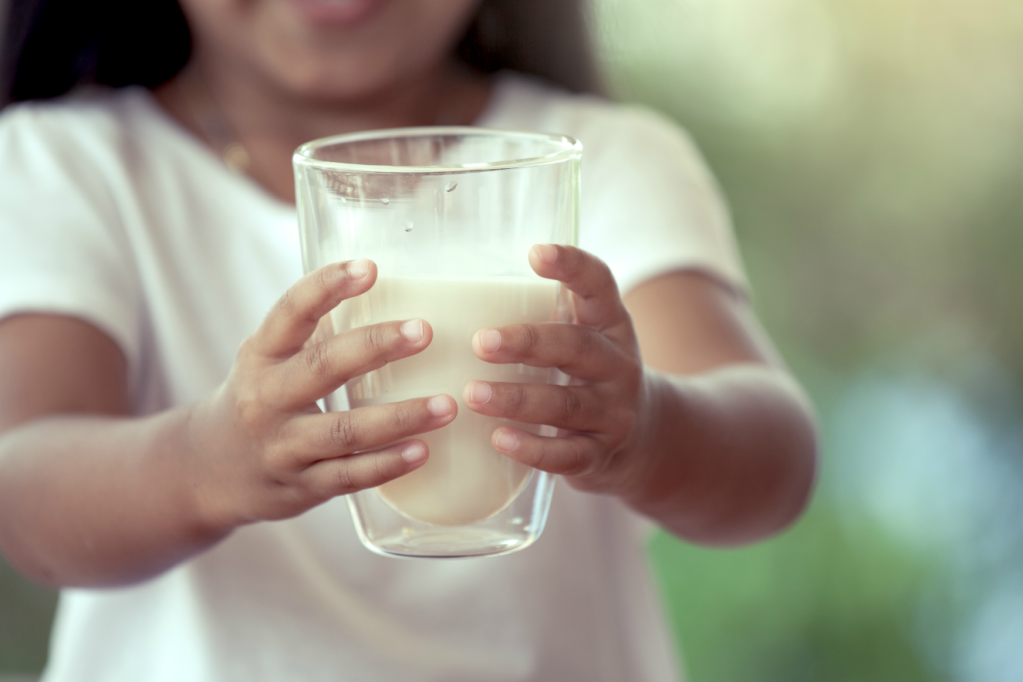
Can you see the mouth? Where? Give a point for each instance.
(336, 12)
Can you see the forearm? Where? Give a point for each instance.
(107, 500)
(729, 456)
(99, 501)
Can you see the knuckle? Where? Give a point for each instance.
(571, 404)
(375, 339)
(344, 478)
(250, 410)
(564, 458)
(531, 338)
(323, 279)
(365, 472)
(276, 460)
(515, 398)
(344, 432)
(539, 459)
(576, 462)
(403, 417)
(382, 470)
(317, 360)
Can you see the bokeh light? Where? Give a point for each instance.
(871, 152)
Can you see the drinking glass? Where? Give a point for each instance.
(448, 214)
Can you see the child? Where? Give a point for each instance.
(162, 458)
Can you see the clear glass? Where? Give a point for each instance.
(448, 215)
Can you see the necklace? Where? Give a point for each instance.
(211, 123)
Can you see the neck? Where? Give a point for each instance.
(270, 123)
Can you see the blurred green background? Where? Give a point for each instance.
(871, 152)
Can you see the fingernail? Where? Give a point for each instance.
(506, 442)
(439, 406)
(490, 340)
(414, 453)
(480, 392)
(358, 269)
(413, 330)
(548, 253)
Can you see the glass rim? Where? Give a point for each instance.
(567, 148)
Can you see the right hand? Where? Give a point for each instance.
(262, 449)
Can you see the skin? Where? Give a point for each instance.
(280, 79)
(678, 404)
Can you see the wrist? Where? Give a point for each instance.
(641, 454)
(198, 497)
(666, 478)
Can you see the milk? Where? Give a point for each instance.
(465, 480)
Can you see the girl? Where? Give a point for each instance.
(162, 458)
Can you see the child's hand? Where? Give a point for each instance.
(264, 450)
(601, 412)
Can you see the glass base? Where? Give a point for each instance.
(450, 543)
(386, 532)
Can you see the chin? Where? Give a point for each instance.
(337, 13)
(338, 84)
(346, 74)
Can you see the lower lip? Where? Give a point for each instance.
(336, 12)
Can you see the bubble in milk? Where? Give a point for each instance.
(408, 225)
(450, 187)
(385, 201)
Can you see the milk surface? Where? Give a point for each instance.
(465, 480)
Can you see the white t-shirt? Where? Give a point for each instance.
(113, 213)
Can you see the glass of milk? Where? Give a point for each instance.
(448, 214)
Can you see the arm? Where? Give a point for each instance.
(707, 433)
(750, 445)
(91, 496)
(87, 495)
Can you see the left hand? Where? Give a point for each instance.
(600, 414)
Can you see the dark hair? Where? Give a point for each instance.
(50, 46)
(548, 38)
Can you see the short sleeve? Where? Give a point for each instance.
(649, 204)
(63, 249)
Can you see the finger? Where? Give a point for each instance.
(575, 454)
(319, 369)
(574, 408)
(294, 317)
(597, 301)
(344, 475)
(311, 438)
(324, 330)
(578, 351)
